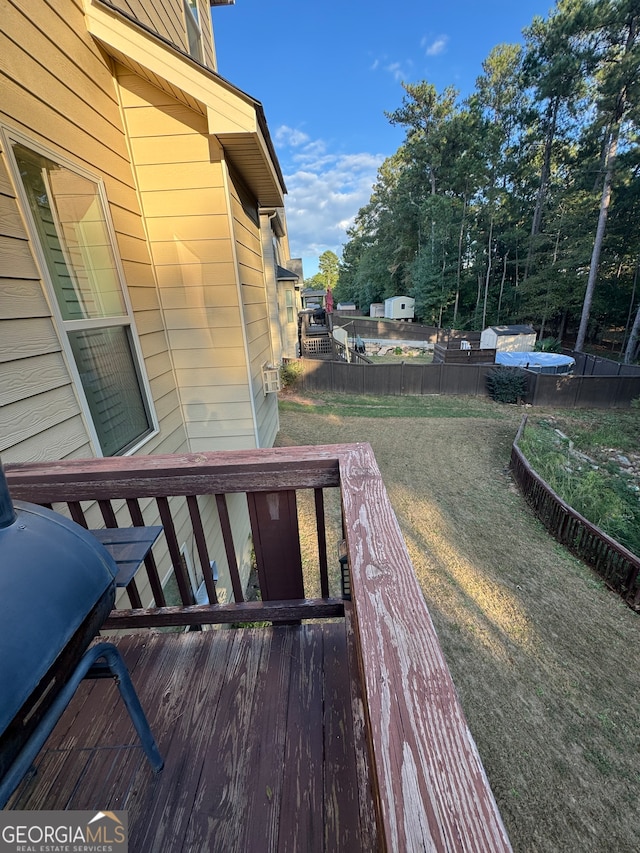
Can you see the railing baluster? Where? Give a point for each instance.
(137, 520)
(75, 509)
(182, 576)
(322, 543)
(227, 536)
(110, 520)
(108, 514)
(201, 545)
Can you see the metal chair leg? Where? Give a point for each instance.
(118, 669)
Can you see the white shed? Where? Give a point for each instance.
(508, 338)
(376, 309)
(399, 308)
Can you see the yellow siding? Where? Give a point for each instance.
(31, 376)
(58, 90)
(65, 440)
(166, 18)
(184, 203)
(256, 318)
(30, 416)
(157, 161)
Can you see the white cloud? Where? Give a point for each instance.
(397, 70)
(289, 136)
(325, 192)
(436, 47)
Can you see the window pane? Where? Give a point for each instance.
(193, 29)
(74, 237)
(111, 385)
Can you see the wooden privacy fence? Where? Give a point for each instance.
(393, 379)
(618, 567)
(569, 392)
(595, 365)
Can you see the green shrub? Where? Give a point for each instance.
(548, 345)
(506, 385)
(290, 372)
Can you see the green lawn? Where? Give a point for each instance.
(542, 655)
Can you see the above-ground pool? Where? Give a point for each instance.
(538, 362)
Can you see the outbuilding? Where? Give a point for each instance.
(399, 308)
(508, 338)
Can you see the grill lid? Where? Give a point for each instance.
(53, 575)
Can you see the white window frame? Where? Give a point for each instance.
(192, 19)
(9, 137)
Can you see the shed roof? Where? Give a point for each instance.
(513, 330)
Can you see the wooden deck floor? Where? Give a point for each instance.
(256, 729)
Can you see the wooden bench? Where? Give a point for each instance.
(129, 547)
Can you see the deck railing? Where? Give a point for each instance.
(172, 489)
(618, 567)
(429, 787)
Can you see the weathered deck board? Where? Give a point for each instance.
(266, 794)
(341, 824)
(255, 727)
(302, 823)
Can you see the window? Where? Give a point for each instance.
(194, 35)
(289, 302)
(70, 226)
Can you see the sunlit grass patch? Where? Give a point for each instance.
(427, 406)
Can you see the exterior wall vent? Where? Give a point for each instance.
(270, 379)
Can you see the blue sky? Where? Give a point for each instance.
(326, 73)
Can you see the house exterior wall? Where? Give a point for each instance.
(189, 252)
(183, 195)
(75, 115)
(289, 298)
(167, 19)
(255, 313)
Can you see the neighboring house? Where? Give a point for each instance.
(289, 304)
(312, 298)
(142, 234)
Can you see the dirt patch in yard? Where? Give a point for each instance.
(543, 656)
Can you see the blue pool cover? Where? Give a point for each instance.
(539, 362)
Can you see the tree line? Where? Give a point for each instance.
(521, 202)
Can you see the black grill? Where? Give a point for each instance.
(57, 587)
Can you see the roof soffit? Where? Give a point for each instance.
(234, 117)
